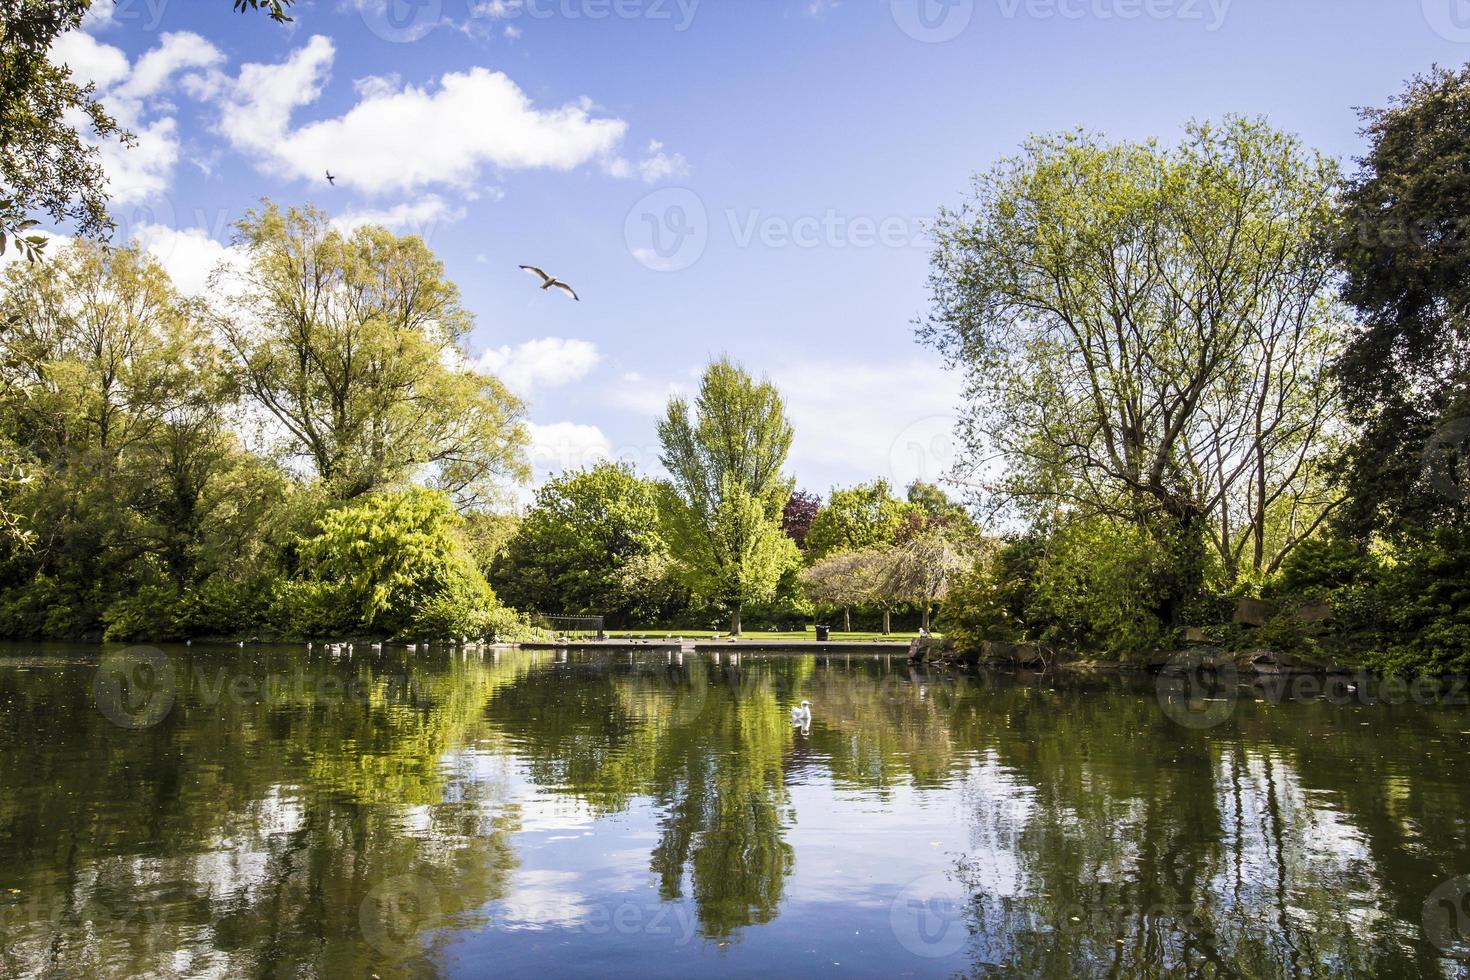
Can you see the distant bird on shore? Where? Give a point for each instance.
(551, 282)
(330, 179)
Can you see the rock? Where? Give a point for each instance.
(1252, 612)
(1271, 662)
(1195, 635)
(1316, 612)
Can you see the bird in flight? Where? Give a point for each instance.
(551, 282)
(330, 179)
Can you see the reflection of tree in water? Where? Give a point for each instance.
(276, 838)
(248, 837)
(724, 803)
(706, 743)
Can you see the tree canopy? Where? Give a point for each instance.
(727, 492)
(1147, 332)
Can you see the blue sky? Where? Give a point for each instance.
(784, 152)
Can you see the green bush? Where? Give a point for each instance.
(151, 613)
(1098, 588)
(1426, 607)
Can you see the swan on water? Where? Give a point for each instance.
(802, 715)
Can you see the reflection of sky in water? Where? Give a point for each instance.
(528, 817)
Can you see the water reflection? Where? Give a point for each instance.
(295, 815)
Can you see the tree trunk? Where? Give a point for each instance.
(735, 621)
(846, 619)
(926, 617)
(887, 623)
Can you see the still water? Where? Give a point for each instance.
(272, 813)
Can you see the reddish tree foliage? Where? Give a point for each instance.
(801, 510)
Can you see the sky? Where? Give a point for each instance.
(749, 178)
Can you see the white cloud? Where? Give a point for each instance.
(405, 137)
(189, 256)
(659, 165)
(565, 446)
(419, 217)
(545, 363)
(641, 396)
(134, 94)
(858, 420)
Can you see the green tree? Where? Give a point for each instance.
(354, 343)
(1406, 373)
(46, 165)
(393, 563)
(586, 533)
(864, 516)
(838, 581)
(1147, 333)
(924, 567)
(112, 396)
(726, 496)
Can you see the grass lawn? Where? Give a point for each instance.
(762, 636)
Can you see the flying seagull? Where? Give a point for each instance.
(551, 282)
(330, 179)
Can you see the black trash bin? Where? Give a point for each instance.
(824, 633)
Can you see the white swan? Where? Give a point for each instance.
(802, 715)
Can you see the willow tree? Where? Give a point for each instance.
(354, 343)
(923, 568)
(726, 495)
(1146, 332)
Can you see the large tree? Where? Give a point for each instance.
(1146, 333)
(1405, 249)
(114, 398)
(586, 533)
(867, 515)
(354, 343)
(47, 166)
(727, 493)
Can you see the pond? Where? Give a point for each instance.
(272, 812)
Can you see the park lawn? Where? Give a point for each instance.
(762, 636)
